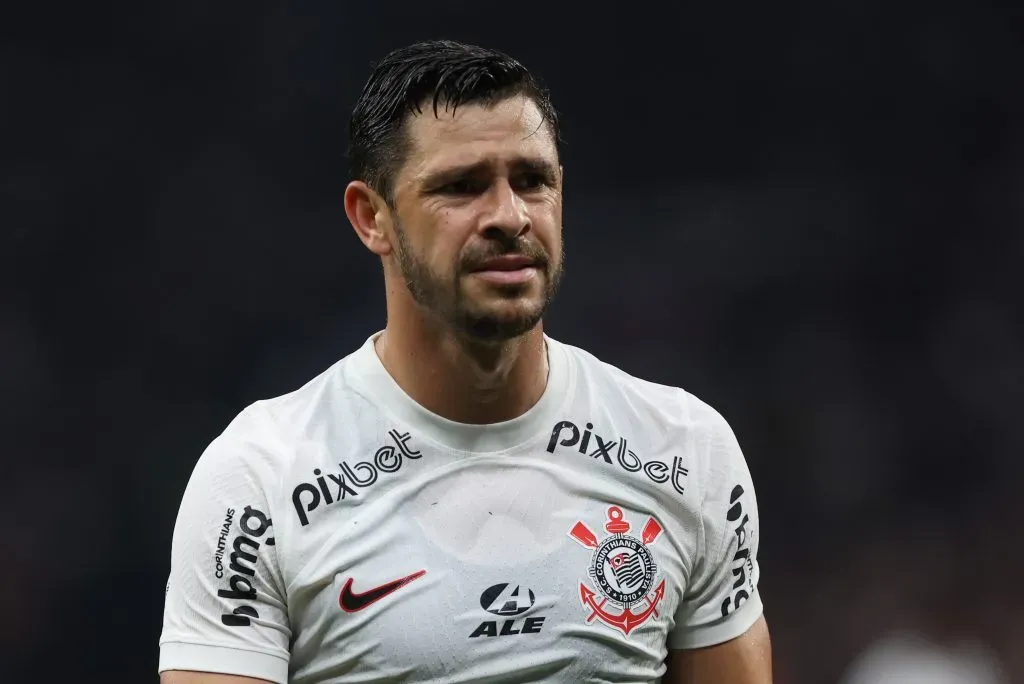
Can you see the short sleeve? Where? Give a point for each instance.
(722, 601)
(225, 609)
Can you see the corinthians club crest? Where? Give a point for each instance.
(623, 571)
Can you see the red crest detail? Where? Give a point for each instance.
(623, 572)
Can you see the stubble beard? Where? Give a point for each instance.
(446, 300)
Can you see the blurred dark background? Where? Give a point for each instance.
(809, 214)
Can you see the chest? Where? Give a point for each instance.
(490, 572)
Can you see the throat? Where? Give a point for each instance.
(469, 383)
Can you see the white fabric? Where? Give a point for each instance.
(348, 480)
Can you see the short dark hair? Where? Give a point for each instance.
(445, 73)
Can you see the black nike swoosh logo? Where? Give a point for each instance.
(352, 602)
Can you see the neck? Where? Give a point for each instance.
(463, 380)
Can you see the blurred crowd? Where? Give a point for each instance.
(810, 217)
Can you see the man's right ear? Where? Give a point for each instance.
(369, 215)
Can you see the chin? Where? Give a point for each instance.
(500, 325)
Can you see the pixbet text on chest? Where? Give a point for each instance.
(617, 452)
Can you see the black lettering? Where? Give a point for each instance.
(556, 434)
(218, 555)
(261, 519)
(242, 561)
(566, 433)
(656, 470)
(224, 531)
(679, 474)
(403, 443)
(732, 603)
(736, 493)
(323, 487)
(740, 574)
(603, 448)
(297, 501)
(741, 532)
(506, 628)
(343, 488)
(350, 473)
(306, 497)
(239, 554)
(239, 617)
(631, 464)
(489, 628)
(737, 508)
(532, 625)
(388, 459)
(742, 556)
(585, 442)
(237, 582)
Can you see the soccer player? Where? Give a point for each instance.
(463, 498)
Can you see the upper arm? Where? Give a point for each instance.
(721, 601)
(225, 609)
(747, 659)
(182, 677)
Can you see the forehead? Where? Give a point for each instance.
(509, 129)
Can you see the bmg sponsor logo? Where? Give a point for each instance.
(253, 526)
(616, 452)
(742, 562)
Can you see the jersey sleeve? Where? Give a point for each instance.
(721, 601)
(225, 608)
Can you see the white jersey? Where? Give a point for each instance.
(342, 533)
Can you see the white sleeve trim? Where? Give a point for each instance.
(177, 655)
(733, 625)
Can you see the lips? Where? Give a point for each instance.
(507, 270)
(508, 262)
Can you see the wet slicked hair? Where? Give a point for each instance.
(440, 74)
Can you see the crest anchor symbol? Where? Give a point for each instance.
(624, 572)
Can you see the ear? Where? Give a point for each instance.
(369, 215)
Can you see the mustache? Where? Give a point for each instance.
(521, 248)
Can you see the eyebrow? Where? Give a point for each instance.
(519, 165)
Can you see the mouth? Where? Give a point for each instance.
(510, 269)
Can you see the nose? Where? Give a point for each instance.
(506, 212)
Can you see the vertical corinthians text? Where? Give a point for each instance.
(253, 526)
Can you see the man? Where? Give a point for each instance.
(465, 499)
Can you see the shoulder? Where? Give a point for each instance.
(663, 423)
(262, 440)
(670, 407)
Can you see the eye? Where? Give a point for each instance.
(530, 181)
(463, 186)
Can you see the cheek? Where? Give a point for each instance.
(437, 256)
(451, 233)
(548, 226)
